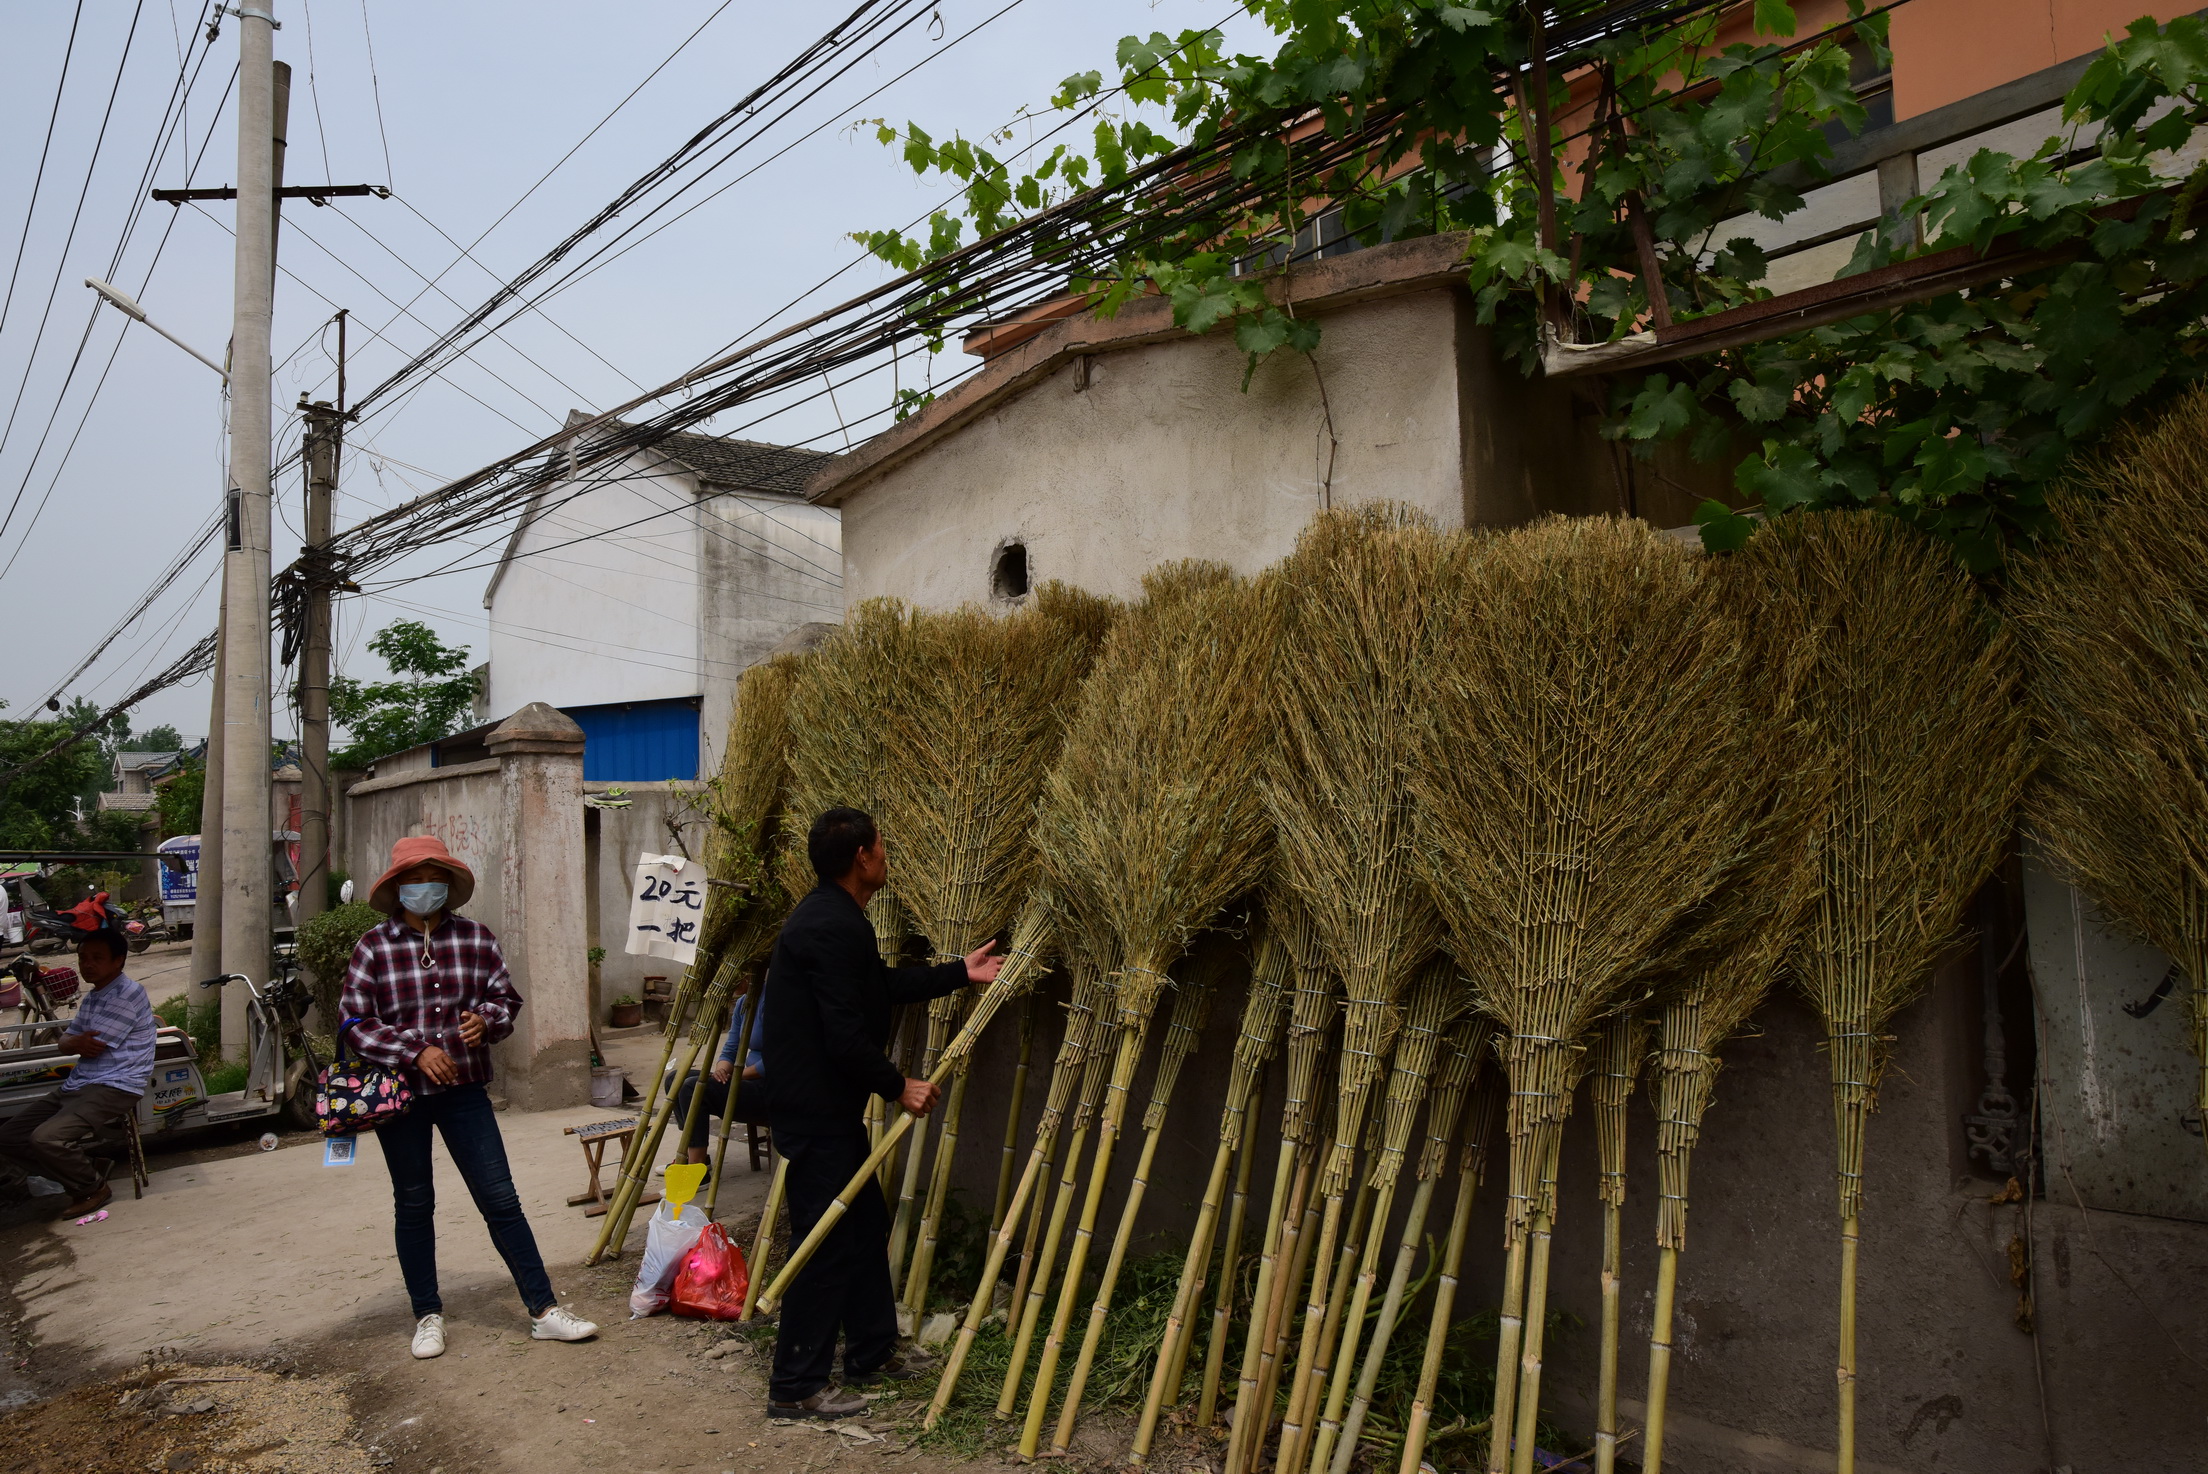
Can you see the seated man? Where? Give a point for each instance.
(716, 1092)
(112, 1037)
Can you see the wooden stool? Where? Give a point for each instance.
(140, 1178)
(595, 1136)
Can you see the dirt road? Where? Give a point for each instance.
(273, 1261)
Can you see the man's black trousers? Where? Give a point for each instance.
(844, 1287)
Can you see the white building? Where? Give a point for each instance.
(632, 597)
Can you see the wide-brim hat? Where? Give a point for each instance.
(421, 849)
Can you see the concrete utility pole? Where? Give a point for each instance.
(325, 429)
(247, 871)
(207, 909)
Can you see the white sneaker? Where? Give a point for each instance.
(560, 1324)
(429, 1337)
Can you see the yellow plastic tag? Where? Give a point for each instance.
(683, 1181)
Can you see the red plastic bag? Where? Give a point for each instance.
(713, 1280)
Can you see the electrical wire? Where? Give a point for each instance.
(38, 180)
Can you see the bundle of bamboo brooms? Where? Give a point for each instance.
(1483, 815)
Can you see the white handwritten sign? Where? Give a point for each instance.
(666, 907)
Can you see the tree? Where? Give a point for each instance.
(179, 799)
(1420, 116)
(163, 738)
(432, 694)
(39, 806)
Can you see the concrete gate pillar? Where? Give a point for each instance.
(546, 1064)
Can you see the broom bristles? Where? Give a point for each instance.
(1361, 584)
(2113, 623)
(1910, 708)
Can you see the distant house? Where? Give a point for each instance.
(632, 597)
(134, 775)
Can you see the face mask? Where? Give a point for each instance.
(424, 899)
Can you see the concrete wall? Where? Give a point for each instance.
(516, 821)
(1128, 459)
(769, 564)
(611, 618)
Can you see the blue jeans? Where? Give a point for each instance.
(463, 1115)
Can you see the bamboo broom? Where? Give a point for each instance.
(1191, 1010)
(1031, 1282)
(2110, 619)
(1262, 1011)
(744, 900)
(1579, 786)
(1910, 705)
(1435, 1001)
(1617, 1064)
(958, 798)
(1487, 1105)
(1463, 1052)
(1312, 1011)
(1152, 816)
(1724, 963)
(1067, 1074)
(1361, 586)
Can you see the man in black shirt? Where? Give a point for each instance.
(827, 1022)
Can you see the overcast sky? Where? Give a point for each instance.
(477, 102)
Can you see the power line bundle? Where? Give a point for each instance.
(1908, 705)
(2113, 621)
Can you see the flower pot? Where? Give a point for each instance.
(626, 1015)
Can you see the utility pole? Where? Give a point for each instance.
(207, 908)
(324, 442)
(247, 868)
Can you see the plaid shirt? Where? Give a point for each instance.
(397, 1004)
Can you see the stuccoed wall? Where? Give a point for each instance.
(768, 564)
(1154, 453)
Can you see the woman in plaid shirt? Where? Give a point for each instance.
(427, 992)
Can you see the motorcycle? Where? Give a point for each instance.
(143, 925)
(38, 992)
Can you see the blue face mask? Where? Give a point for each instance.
(425, 898)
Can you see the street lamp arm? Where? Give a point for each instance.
(122, 302)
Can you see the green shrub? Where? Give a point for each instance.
(326, 945)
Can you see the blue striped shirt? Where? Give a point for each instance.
(118, 1015)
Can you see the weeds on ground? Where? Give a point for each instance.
(1127, 1357)
(221, 1076)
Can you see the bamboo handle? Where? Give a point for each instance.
(1391, 1309)
(1177, 1324)
(1343, 1357)
(1010, 1159)
(1543, 1236)
(833, 1214)
(735, 1088)
(763, 1244)
(1437, 1330)
(1659, 1360)
(939, 1186)
(630, 1191)
(1086, 1360)
(1261, 1300)
(1850, 1228)
(1606, 1386)
(1288, 1456)
(1000, 1245)
(1222, 1316)
(1046, 1374)
(1510, 1333)
(1272, 1359)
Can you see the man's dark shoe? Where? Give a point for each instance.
(902, 1366)
(828, 1404)
(91, 1202)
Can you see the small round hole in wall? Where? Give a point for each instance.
(1008, 572)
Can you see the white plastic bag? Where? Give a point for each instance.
(667, 1238)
